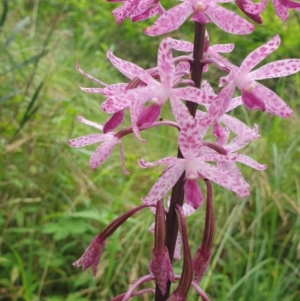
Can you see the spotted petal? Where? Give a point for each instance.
(165, 63)
(224, 178)
(129, 69)
(170, 20)
(87, 140)
(276, 69)
(220, 16)
(259, 54)
(103, 151)
(165, 182)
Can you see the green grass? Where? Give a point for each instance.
(52, 205)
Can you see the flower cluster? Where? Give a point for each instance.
(201, 156)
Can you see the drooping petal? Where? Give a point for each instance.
(170, 20)
(276, 69)
(192, 193)
(165, 182)
(220, 16)
(91, 255)
(147, 11)
(260, 53)
(266, 100)
(129, 69)
(103, 152)
(87, 140)
(165, 63)
(113, 122)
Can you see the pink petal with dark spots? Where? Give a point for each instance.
(165, 63)
(194, 94)
(179, 110)
(276, 69)
(170, 20)
(219, 106)
(222, 48)
(87, 140)
(165, 182)
(220, 16)
(103, 152)
(124, 11)
(281, 11)
(250, 162)
(126, 99)
(259, 54)
(189, 140)
(182, 45)
(255, 8)
(224, 178)
(129, 69)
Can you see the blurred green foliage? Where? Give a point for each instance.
(51, 204)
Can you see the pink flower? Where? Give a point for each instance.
(156, 92)
(195, 167)
(203, 11)
(254, 95)
(109, 141)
